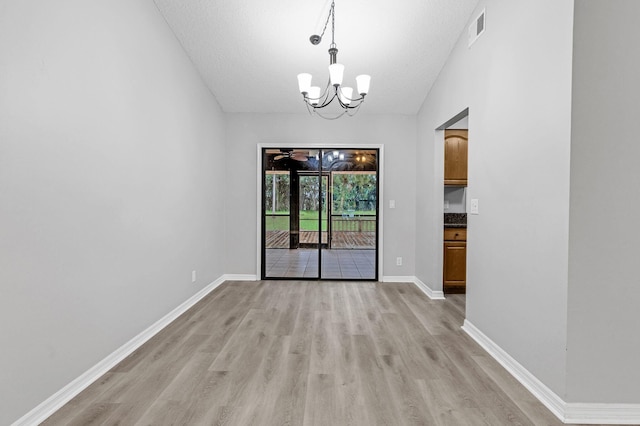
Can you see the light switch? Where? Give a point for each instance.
(473, 206)
(392, 204)
(446, 204)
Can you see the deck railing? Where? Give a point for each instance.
(353, 223)
(348, 231)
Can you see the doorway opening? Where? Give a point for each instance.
(320, 213)
(454, 264)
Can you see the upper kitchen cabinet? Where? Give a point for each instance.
(455, 157)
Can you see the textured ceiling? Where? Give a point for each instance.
(249, 52)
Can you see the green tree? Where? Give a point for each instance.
(276, 192)
(354, 192)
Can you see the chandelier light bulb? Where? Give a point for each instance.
(304, 82)
(346, 95)
(336, 73)
(314, 95)
(363, 81)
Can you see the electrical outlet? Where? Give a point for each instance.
(392, 204)
(193, 276)
(398, 261)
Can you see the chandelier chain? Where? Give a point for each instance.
(333, 24)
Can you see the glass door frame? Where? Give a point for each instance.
(261, 234)
(321, 207)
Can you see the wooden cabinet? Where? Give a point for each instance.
(455, 157)
(455, 234)
(454, 275)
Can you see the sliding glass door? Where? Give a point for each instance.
(319, 213)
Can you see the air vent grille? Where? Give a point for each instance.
(477, 27)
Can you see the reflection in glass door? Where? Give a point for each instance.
(320, 216)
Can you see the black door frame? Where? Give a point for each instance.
(262, 149)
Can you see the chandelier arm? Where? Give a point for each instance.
(347, 106)
(324, 103)
(327, 100)
(360, 99)
(326, 95)
(342, 104)
(323, 99)
(354, 112)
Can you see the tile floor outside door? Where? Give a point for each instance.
(336, 264)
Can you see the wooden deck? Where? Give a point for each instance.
(341, 239)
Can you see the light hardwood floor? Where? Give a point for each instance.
(310, 353)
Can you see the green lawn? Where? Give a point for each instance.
(308, 220)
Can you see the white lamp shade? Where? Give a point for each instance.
(363, 82)
(336, 72)
(314, 95)
(304, 82)
(346, 95)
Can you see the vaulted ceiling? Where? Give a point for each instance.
(249, 52)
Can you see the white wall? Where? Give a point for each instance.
(516, 82)
(604, 291)
(396, 132)
(111, 187)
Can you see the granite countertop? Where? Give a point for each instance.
(455, 220)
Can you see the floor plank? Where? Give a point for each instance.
(310, 353)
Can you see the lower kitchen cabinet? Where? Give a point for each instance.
(455, 260)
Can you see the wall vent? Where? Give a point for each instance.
(476, 29)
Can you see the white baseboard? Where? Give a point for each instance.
(608, 414)
(64, 395)
(397, 279)
(239, 277)
(549, 398)
(570, 413)
(431, 294)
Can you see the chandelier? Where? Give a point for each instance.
(315, 98)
